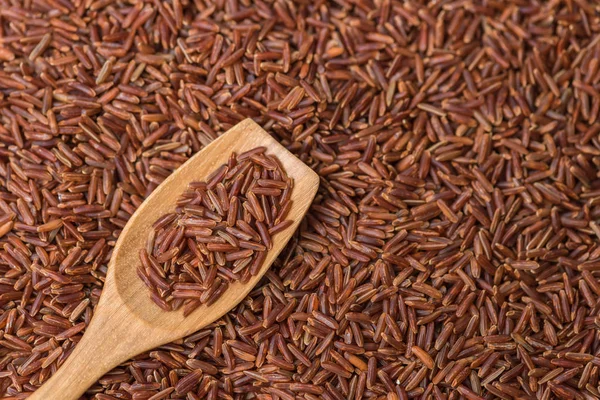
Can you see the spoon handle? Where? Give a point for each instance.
(109, 340)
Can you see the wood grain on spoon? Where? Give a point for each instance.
(126, 322)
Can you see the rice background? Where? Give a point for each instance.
(452, 250)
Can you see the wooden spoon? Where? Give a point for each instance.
(126, 322)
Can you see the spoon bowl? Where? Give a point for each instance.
(126, 321)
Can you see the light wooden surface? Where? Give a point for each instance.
(126, 322)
